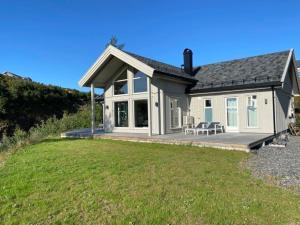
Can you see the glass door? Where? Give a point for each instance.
(232, 114)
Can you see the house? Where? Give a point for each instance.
(142, 95)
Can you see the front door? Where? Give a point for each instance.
(231, 105)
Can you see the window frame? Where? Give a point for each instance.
(247, 105)
(133, 86)
(116, 81)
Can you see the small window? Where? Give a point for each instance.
(207, 103)
(121, 84)
(252, 111)
(139, 82)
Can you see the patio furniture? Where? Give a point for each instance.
(188, 122)
(193, 130)
(213, 126)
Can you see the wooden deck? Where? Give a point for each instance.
(230, 141)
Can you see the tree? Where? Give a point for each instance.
(114, 42)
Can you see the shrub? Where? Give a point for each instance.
(51, 127)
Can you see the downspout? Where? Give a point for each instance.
(274, 114)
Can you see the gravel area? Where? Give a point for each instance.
(280, 163)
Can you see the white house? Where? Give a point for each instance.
(141, 95)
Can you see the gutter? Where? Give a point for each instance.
(235, 87)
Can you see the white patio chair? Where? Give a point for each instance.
(213, 126)
(193, 130)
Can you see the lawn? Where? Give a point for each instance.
(115, 182)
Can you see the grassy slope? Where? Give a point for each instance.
(110, 182)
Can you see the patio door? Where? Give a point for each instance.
(231, 105)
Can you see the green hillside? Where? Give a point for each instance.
(24, 103)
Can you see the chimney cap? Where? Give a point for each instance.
(187, 50)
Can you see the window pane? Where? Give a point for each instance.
(231, 117)
(252, 117)
(120, 88)
(208, 115)
(141, 113)
(175, 113)
(121, 114)
(207, 103)
(123, 76)
(231, 112)
(231, 102)
(175, 118)
(140, 82)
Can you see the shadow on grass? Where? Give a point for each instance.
(49, 140)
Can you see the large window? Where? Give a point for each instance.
(121, 114)
(139, 82)
(175, 113)
(208, 113)
(141, 113)
(121, 84)
(252, 111)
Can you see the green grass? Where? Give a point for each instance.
(114, 182)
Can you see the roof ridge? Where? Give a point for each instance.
(131, 53)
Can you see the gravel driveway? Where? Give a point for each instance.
(281, 163)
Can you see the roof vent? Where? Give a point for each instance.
(188, 61)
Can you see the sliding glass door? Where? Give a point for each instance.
(232, 114)
(121, 114)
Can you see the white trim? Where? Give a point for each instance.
(113, 51)
(232, 129)
(285, 71)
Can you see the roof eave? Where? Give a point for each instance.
(235, 87)
(113, 51)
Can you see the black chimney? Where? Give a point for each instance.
(188, 61)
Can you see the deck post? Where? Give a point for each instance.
(93, 108)
(162, 111)
(149, 107)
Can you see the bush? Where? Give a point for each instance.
(50, 127)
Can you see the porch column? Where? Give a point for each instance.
(93, 109)
(149, 107)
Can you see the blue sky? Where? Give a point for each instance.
(55, 42)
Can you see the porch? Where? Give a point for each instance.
(230, 141)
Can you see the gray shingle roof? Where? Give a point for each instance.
(252, 70)
(163, 67)
(256, 71)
